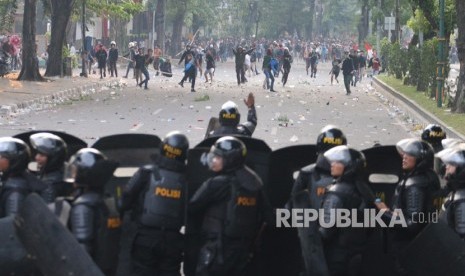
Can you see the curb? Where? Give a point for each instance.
(451, 133)
(53, 99)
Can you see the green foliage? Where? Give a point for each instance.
(413, 57)
(418, 22)
(121, 9)
(7, 15)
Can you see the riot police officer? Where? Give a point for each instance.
(51, 152)
(234, 207)
(454, 207)
(308, 191)
(414, 193)
(343, 246)
(230, 117)
(17, 181)
(434, 134)
(89, 222)
(157, 194)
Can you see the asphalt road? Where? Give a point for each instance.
(293, 115)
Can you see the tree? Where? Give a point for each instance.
(459, 101)
(30, 66)
(61, 13)
(7, 15)
(177, 25)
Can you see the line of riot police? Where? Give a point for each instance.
(223, 190)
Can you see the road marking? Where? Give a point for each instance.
(157, 111)
(136, 127)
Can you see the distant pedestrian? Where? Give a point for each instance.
(347, 71)
(148, 60)
(112, 59)
(130, 56)
(287, 60)
(190, 71)
(101, 56)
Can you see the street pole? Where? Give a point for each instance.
(83, 33)
(440, 63)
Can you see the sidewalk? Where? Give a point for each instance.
(19, 96)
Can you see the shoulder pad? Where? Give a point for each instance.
(90, 199)
(341, 188)
(459, 195)
(147, 168)
(308, 169)
(419, 180)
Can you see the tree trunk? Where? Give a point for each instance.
(310, 20)
(61, 12)
(459, 102)
(177, 27)
(160, 24)
(30, 66)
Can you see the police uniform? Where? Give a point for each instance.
(414, 194)
(454, 206)
(229, 118)
(51, 174)
(315, 178)
(156, 193)
(343, 246)
(89, 219)
(234, 207)
(17, 182)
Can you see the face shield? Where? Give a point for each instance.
(452, 156)
(338, 154)
(70, 172)
(42, 142)
(409, 146)
(451, 142)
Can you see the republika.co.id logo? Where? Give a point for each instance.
(341, 218)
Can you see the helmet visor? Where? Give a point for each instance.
(450, 142)
(41, 141)
(338, 154)
(409, 146)
(452, 156)
(70, 172)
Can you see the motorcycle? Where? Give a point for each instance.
(5, 63)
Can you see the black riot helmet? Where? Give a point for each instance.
(16, 152)
(229, 114)
(175, 146)
(421, 150)
(353, 160)
(454, 156)
(434, 134)
(53, 147)
(232, 150)
(329, 137)
(89, 168)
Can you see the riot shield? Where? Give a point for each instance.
(384, 168)
(131, 151)
(257, 159)
(437, 250)
(13, 256)
(52, 247)
(284, 163)
(213, 125)
(73, 143)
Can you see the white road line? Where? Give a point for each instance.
(136, 127)
(157, 111)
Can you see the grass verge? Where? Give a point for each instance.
(455, 121)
